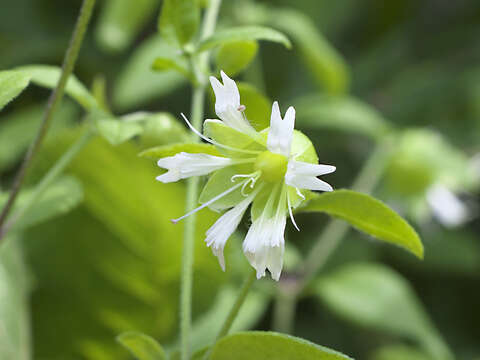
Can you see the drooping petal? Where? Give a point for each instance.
(446, 206)
(281, 131)
(184, 165)
(304, 175)
(227, 104)
(224, 227)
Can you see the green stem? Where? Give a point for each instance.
(48, 179)
(198, 99)
(242, 295)
(284, 312)
(52, 105)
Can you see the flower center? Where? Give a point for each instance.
(273, 166)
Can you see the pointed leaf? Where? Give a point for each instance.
(375, 296)
(116, 131)
(179, 20)
(243, 33)
(259, 345)
(233, 57)
(12, 83)
(141, 346)
(369, 215)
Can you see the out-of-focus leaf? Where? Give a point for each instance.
(197, 355)
(19, 127)
(121, 20)
(399, 352)
(164, 64)
(340, 113)
(179, 20)
(375, 296)
(258, 106)
(138, 84)
(15, 342)
(233, 57)
(243, 33)
(258, 345)
(141, 346)
(325, 63)
(12, 83)
(170, 150)
(48, 76)
(119, 253)
(162, 129)
(369, 215)
(59, 198)
(116, 131)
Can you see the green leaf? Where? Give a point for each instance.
(141, 346)
(258, 106)
(59, 198)
(258, 345)
(376, 297)
(162, 129)
(340, 113)
(48, 76)
(233, 57)
(15, 342)
(137, 83)
(179, 20)
(399, 352)
(369, 215)
(12, 83)
(120, 22)
(243, 33)
(170, 150)
(325, 63)
(164, 64)
(116, 131)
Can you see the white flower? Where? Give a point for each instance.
(269, 175)
(447, 207)
(227, 104)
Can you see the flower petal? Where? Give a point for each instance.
(304, 175)
(184, 165)
(446, 206)
(281, 131)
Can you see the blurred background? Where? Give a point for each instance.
(360, 72)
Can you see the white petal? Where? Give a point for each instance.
(304, 175)
(184, 165)
(227, 104)
(448, 209)
(224, 227)
(280, 133)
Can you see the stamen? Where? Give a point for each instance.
(290, 212)
(242, 108)
(299, 193)
(214, 142)
(226, 192)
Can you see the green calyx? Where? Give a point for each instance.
(272, 166)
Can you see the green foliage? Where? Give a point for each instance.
(399, 352)
(137, 83)
(243, 33)
(121, 20)
(179, 20)
(376, 297)
(58, 199)
(48, 76)
(257, 345)
(170, 150)
(368, 215)
(15, 342)
(258, 106)
(12, 83)
(116, 131)
(233, 57)
(340, 113)
(165, 64)
(162, 129)
(142, 346)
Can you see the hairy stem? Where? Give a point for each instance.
(198, 99)
(242, 295)
(48, 179)
(52, 105)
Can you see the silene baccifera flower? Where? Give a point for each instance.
(267, 169)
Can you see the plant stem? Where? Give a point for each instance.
(242, 295)
(52, 105)
(47, 180)
(284, 312)
(198, 99)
